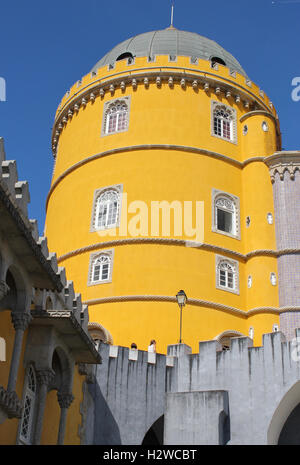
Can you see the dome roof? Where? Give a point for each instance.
(170, 41)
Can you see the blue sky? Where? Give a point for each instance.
(47, 46)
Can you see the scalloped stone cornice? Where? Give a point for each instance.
(281, 162)
(197, 79)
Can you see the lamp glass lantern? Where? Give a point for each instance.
(181, 300)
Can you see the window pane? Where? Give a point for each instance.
(222, 278)
(224, 220)
(105, 269)
(226, 129)
(96, 273)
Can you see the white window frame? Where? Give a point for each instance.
(235, 201)
(220, 261)
(106, 118)
(118, 189)
(215, 106)
(30, 395)
(109, 254)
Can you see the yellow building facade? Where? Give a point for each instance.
(160, 183)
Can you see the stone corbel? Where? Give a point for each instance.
(4, 289)
(10, 404)
(65, 399)
(21, 320)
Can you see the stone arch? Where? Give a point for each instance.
(155, 434)
(16, 297)
(99, 333)
(61, 366)
(49, 303)
(286, 411)
(224, 337)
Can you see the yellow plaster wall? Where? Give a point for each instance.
(171, 116)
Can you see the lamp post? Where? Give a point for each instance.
(181, 300)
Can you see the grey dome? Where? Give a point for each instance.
(170, 41)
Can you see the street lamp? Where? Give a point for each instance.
(181, 300)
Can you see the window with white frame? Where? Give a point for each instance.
(223, 122)
(101, 267)
(106, 208)
(225, 213)
(25, 428)
(116, 116)
(227, 274)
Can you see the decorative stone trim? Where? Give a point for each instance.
(233, 127)
(4, 289)
(282, 162)
(118, 189)
(235, 271)
(10, 403)
(182, 148)
(179, 242)
(82, 334)
(26, 232)
(216, 194)
(122, 100)
(45, 376)
(193, 302)
(21, 320)
(65, 399)
(257, 113)
(111, 82)
(110, 254)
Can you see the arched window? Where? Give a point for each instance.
(225, 213)
(28, 407)
(101, 267)
(223, 122)
(107, 210)
(227, 275)
(226, 217)
(215, 60)
(116, 117)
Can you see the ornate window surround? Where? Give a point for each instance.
(235, 266)
(233, 121)
(118, 189)
(93, 257)
(124, 100)
(216, 194)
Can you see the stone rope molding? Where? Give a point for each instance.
(182, 148)
(194, 302)
(178, 242)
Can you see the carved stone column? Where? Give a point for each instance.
(44, 378)
(20, 321)
(65, 400)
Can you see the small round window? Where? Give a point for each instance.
(265, 126)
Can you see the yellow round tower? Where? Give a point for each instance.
(160, 184)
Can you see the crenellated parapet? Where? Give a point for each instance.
(36, 292)
(139, 390)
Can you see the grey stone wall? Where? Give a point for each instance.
(239, 396)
